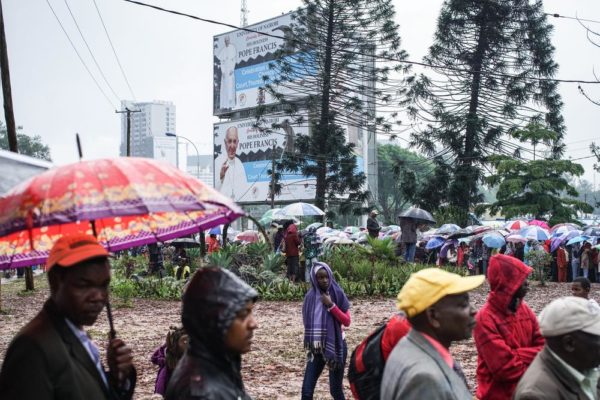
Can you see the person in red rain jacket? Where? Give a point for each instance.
(507, 334)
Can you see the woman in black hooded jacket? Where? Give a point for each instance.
(217, 315)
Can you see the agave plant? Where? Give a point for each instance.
(273, 262)
(222, 259)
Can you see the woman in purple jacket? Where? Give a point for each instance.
(167, 356)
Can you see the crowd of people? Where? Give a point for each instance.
(519, 355)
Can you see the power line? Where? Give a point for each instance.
(555, 15)
(91, 53)
(114, 51)
(357, 53)
(581, 158)
(79, 55)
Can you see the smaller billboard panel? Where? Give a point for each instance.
(165, 148)
(244, 155)
(241, 59)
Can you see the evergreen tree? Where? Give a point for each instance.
(540, 188)
(333, 69)
(28, 145)
(491, 62)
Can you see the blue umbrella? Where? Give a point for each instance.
(493, 240)
(578, 239)
(215, 231)
(435, 242)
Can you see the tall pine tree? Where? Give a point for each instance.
(334, 69)
(493, 59)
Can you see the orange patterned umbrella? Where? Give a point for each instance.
(126, 202)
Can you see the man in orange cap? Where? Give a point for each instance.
(52, 357)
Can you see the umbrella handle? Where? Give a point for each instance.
(112, 334)
(79, 146)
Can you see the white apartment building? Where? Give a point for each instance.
(148, 130)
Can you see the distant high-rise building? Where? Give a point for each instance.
(148, 130)
(201, 167)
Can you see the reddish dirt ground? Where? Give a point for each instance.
(274, 369)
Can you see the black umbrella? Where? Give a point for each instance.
(418, 214)
(183, 242)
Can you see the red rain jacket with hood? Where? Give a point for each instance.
(506, 342)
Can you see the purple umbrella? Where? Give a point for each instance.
(447, 245)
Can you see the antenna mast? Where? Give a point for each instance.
(244, 14)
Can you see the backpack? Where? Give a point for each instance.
(367, 362)
(365, 370)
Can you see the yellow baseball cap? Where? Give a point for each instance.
(427, 286)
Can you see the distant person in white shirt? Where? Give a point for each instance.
(231, 180)
(228, 58)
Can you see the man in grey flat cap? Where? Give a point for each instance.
(567, 366)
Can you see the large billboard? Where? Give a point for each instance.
(244, 155)
(241, 60)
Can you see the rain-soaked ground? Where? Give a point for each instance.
(274, 368)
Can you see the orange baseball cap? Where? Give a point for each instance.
(73, 249)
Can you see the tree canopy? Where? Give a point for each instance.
(333, 75)
(539, 188)
(490, 59)
(402, 176)
(28, 145)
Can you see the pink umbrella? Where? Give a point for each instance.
(565, 227)
(516, 225)
(541, 224)
(248, 236)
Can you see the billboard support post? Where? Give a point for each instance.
(273, 178)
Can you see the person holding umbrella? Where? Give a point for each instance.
(409, 222)
(52, 357)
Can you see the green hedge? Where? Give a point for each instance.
(366, 271)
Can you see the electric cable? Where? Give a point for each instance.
(79, 56)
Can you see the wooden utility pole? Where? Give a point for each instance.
(9, 115)
(6, 91)
(128, 138)
(273, 177)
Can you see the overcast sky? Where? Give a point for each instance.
(167, 57)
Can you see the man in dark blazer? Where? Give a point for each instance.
(52, 357)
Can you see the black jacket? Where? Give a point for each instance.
(47, 361)
(207, 371)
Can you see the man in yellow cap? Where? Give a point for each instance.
(437, 305)
(52, 357)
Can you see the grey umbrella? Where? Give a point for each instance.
(418, 215)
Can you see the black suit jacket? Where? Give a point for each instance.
(47, 361)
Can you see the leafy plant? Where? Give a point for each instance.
(539, 260)
(126, 265)
(222, 259)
